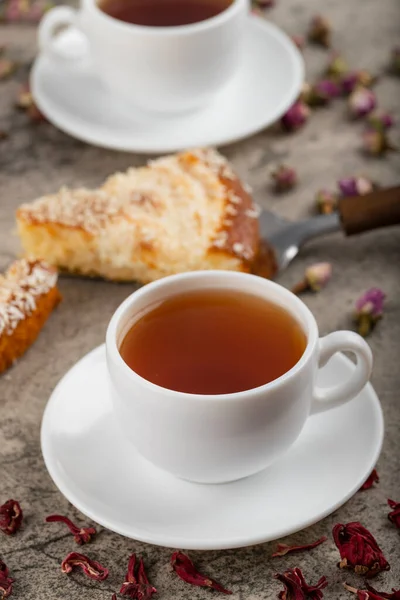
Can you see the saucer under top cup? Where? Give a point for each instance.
(75, 100)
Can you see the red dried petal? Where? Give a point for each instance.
(283, 549)
(114, 597)
(369, 482)
(186, 570)
(81, 535)
(296, 587)
(372, 594)
(90, 567)
(394, 515)
(137, 585)
(3, 569)
(10, 517)
(6, 587)
(359, 549)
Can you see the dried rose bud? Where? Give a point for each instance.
(395, 61)
(10, 517)
(377, 143)
(320, 31)
(380, 121)
(137, 584)
(7, 67)
(299, 41)
(369, 309)
(185, 569)
(356, 186)
(305, 92)
(337, 66)
(323, 92)
(359, 550)
(394, 516)
(369, 482)
(30, 11)
(326, 202)
(296, 587)
(284, 178)
(296, 116)
(361, 102)
(354, 79)
(90, 567)
(315, 278)
(82, 535)
(372, 594)
(283, 549)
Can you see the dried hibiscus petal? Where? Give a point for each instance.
(186, 570)
(283, 549)
(5, 581)
(82, 535)
(10, 517)
(137, 584)
(90, 567)
(359, 550)
(372, 594)
(296, 587)
(394, 515)
(369, 482)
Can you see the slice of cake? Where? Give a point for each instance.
(180, 213)
(28, 294)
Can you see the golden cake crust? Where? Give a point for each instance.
(28, 294)
(179, 213)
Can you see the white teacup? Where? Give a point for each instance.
(162, 69)
(215, 439)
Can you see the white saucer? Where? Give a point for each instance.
(102, 475)
(75, 101)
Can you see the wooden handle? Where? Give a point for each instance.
(378, 209)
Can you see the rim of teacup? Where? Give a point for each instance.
(207, 24)
(125, 310)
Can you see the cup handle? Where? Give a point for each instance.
(49, 29)
(339, 341)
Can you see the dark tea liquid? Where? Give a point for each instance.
(163, 13)
(213, 342)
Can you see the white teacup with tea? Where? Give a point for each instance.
(213, 373)
(161, 55)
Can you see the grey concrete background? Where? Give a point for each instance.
(39, 159)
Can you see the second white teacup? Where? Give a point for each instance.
(220, 438)
(162, 69)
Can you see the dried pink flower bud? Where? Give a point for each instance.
(369, 309)
(395, 60)
(299, 41)
(315, 278)
(323, 92)
(284, 178)
(296, 116)
(377, 143)
(380, 121)
(337, 67)
(352, 80)
(326, 202)
(355, 186)
(320, 31)
(361, 102)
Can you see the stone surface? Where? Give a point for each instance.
(38, 159)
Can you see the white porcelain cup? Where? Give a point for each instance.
(162, 69)
(215, 439)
